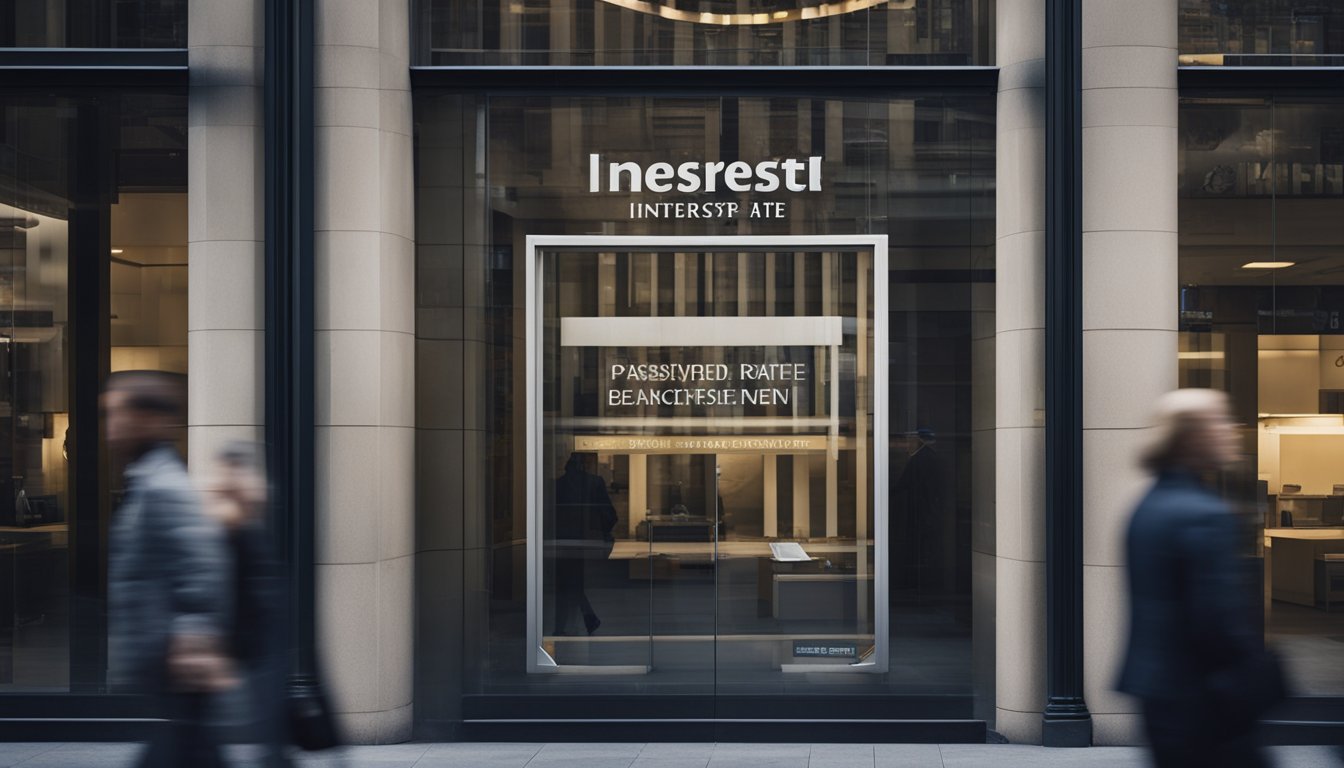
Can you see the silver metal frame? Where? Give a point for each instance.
(539, 661)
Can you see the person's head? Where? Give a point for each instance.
(237, 489)
(142, 408)
(1193, 430)
(242, 472)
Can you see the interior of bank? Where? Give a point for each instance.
(1262, 317)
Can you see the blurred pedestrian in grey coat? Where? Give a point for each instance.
(167, 571)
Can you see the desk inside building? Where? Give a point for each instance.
(1299, 567)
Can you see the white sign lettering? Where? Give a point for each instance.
(792, 175)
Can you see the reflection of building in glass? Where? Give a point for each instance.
(1247, 31)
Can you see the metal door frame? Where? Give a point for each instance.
(538, 660)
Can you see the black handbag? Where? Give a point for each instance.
(1242, 693)
(312, 726)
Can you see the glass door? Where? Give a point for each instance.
(706, 516)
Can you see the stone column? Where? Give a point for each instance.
(225, 227)
(1130, 102)
(364, 360)
(1020, 372)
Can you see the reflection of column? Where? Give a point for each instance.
(560, 15)
(802, 496)
(1019, 540)
(828, 265)
(683, 45)
(743, 285)
(770, 267)
(770, 496)
(1129, 308)
(799, 284)
(653, 283)
(639, 491)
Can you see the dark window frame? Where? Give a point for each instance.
(80, 714)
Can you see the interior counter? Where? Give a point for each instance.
(1292, 554)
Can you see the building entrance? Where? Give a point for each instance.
(704, 505)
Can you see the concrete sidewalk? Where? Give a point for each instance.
(478, 755)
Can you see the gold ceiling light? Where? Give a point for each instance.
(802, 13)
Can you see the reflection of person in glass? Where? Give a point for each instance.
(584, 520)
(921, 486)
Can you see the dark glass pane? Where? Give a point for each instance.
(92, 279)
(93, 24)
(1262, 33)
(493, 171)
(1262, 317)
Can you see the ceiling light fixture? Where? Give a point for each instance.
(1267, 264)
(666, 10)
(116, 251)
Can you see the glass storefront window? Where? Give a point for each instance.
(1262, 317)
(93, 24)
(1262, 33)
(705, 32)
(657, 575)
(92, 279)
(692, 409)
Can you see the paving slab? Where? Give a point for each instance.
(13, 753)
(1024, 756)
(842, 756)
(906, 755)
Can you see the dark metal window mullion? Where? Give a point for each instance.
(1066, 720)
(289, 179)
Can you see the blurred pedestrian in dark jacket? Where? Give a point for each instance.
(167, 570)
(1195, 659)
(236, 497)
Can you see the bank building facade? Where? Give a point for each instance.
(677, 369)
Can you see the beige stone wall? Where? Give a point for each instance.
(1019, 374)
(1130, 103)
(365, 360)
(225, 227)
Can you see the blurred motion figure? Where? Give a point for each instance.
(1195, 658)
(237, 495)
(167, 570)
(584, 521)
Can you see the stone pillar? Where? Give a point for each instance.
(1020, 372)
(1130, 102)
(364, 351)
(225, 191)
